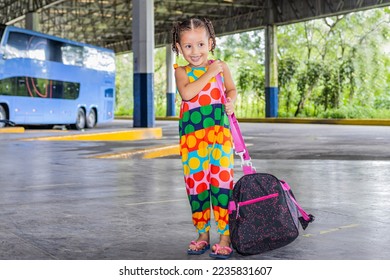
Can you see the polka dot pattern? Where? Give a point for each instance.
(207, 155)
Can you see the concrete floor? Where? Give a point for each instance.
(59, 202)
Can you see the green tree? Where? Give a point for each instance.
(349, 50)
(124, 85)
(307, 81)
(244, 53)
(287, 69)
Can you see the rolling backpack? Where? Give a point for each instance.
(263, 212)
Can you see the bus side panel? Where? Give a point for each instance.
(15, 115)
(99, 93)
(31, 101)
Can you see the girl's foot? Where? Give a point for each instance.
(199, 246)
(222, 250)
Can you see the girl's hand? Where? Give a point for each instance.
(229, 106)
(215, 68)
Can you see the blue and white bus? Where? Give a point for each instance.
(46, 80)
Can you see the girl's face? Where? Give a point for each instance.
(195, 46)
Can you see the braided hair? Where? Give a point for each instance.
(191, 24)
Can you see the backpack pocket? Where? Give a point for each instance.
(253, 201)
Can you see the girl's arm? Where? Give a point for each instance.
(189, 90)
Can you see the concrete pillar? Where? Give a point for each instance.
(171, 85)
(32, 21)
(32, 18)
(143, 60)
(271, 72)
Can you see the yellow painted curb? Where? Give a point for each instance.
(16, 129)
(380, 122)
(149, 153)
(319, 121)
(128, 135)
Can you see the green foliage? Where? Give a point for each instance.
(124, 85)
(355, 112)
(160, 96)
(343, 70)
(244, 54)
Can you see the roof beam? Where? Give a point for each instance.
(108, 23)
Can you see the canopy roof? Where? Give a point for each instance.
(108, 23)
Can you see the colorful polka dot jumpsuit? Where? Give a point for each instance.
(207, 155)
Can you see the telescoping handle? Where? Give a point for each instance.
(238, 140)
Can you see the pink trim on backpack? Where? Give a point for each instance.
(232, 206)
(287, 188)
(248, 169)
(261, 198)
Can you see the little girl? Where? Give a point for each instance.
(206, 146)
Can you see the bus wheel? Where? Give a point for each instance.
(3, 116)
(91, 119)
(80, 121)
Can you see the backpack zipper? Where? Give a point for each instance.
(251, 201)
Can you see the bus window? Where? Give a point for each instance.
(21, 45)
(17, 45)
(6, 86)
(21, 89)
(57, 89)
(91, 58)
(72, 55)
(55, 52)
(38, 48)
(98, 60)
(71, 90)
(107, 61)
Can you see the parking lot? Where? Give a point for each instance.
(103, 199)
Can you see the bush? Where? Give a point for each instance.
(355, 112)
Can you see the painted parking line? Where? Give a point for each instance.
(331, 230)
(162, 152)
(156, 202)
(126, 135)
(53, 185)
(148, 153)
(15, 129)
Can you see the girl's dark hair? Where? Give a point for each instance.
(191, 24)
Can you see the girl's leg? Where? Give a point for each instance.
(200, 207)
(199, 198)
(221, 179)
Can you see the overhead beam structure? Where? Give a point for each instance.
(109, 23)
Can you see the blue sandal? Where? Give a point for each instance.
(215, 254)
(200, 251)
